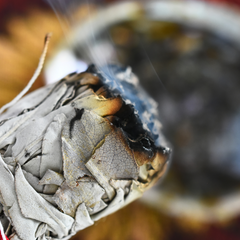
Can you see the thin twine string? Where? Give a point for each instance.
(34, 77)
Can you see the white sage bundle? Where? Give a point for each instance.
(76, 151)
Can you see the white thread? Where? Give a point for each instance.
(34, 77)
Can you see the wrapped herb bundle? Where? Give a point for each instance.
(76, 151)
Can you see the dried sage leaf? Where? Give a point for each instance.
(42, 228)
(25, 227)
(80, 136)
(114, 159)
(33, 166)
(82, 218)
(116, 204)
(88, 192)
(51, 177)
(46, 213)
(33, 181)
(7, 190)
(80, 150)
(51, 146)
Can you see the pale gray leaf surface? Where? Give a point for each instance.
(68, 95)
(88, 192)
(32, 135)
(51, 146)
(50, 188)
(9, 161)
(21, 121)
(123, 184)
(97, 207)
(8, 152)
(25, 227)
(9, 127)
(114, 205)
(11, 168)
(114, 159)
(43, 237)
(33, 181)
(82, 218)
(35, 207)
(30, 100)
(136, 191)
(50, 102)
(33, 166)
(89, 129)
(48, 198)
(51, 177)
(26, 144)
(41, 230)
(101, 178)
(7, 190)
(5, 208)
